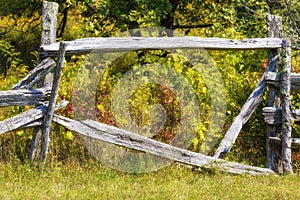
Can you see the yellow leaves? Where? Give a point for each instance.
(101, 108)
(68, 135)
(19, 133)
(143, 18)
(68, 2)
(195, 142)
(202, 130)
(190, 6)
(204, 90)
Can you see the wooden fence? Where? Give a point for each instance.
(278, 114)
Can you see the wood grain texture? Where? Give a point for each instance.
(130, 140)
(49, 21)
(35, 75)
(274, 162)
(24, 97)
(273, 78)
(116, 44)
(285, 88)
(51, 106)
(27, 119)
(22, 119)
(48, 36)
(273, 115)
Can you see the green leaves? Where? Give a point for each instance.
(9, 58)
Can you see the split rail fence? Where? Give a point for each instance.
(46, 76)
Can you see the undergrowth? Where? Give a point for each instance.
(91, 180)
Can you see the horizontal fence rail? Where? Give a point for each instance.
(27, 119)
(24, 97)
(273, 115)
(273, 78)
(110, 134)
(115, 44)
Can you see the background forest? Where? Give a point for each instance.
(20, 33)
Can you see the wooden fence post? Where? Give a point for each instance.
(51, 106)
(285, 88)
(274, 162)
(49, 19)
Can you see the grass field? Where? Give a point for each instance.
(94, 181)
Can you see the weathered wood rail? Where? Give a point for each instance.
(273, 115)
(36, 75)
(278, 77)
(27, 119)
(24, 97)
(131, 140)
(273, 78)
(116, 44)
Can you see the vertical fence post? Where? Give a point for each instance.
(285, 88)
(49, 19)
(274, 161)
(50, 110)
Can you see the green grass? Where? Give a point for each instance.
(94, 181)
